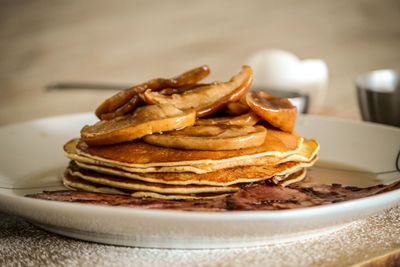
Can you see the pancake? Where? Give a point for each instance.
(294, 178)
(142, 155)
(76, 183)
(222, 177)
(144, 194)
(137, 185)
(308, 150)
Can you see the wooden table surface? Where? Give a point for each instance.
(127, 42)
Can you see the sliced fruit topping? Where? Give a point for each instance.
(206, 99)
(248, 119)
(145, 120)
(178, 90)
(210, 137)
(278, 112)
(126, 108)
(236, 108)
(126, 101)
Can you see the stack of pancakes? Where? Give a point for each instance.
(142, 170)
(152, 140)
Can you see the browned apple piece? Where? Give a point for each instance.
(145, 120)
(125, 101)
(210, 137)
(278, 112)
(236, 108)
(206, 99)
(180, 89)
(248, 119)
(128, 107)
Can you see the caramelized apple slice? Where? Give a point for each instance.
(236, 108)
(210, 137)
(179, 90)
(146, 120)
(126, 108)
(206, 99)
(278, 112)
(248, 119)
(127, 100)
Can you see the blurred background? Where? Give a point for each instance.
(128, 42)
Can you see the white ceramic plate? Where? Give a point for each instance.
(31, 160)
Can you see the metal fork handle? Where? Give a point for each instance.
(81, 85)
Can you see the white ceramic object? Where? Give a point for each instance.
(31, 160)
(281, 70)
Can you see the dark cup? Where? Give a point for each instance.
(378, 94)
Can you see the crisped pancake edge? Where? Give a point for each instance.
(137, 185)
(140, 154)
(80, 184)
(223, 177)
(307, 151)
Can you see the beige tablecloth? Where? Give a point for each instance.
(22, 244)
